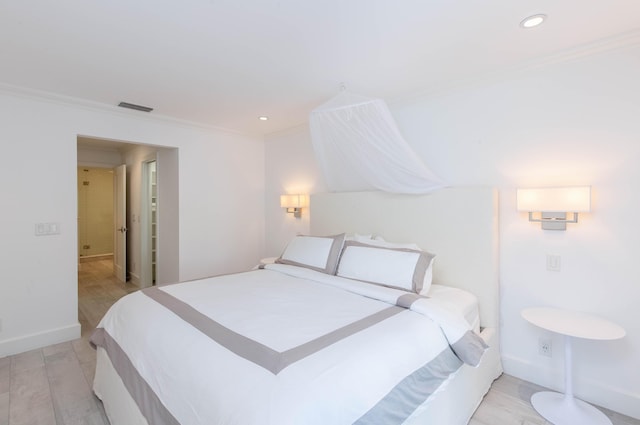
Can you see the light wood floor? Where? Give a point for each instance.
(52, 385)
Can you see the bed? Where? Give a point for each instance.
(355, 348)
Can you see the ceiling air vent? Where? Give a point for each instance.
(134, 106)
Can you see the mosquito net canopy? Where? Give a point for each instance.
(359, 147)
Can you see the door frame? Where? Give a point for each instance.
(146, 233)
(120, 222)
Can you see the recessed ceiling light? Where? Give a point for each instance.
(533, 20)
(263, 118)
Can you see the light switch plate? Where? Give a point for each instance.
(553, 263)
(45, 229)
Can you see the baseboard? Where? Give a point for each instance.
(98, 257)
(591, 391)
(21, 344)
(134, 278)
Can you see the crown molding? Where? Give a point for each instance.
(621, 41)
(58, 99)
(604, 45)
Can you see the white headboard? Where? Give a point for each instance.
(459, 225)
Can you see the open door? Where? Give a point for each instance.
(120, 222)
(149, 223)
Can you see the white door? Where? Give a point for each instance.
(148, 224)
(120, 222)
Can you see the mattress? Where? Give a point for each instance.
(459, 300)
(222, 350)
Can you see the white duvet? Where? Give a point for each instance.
(284, 345)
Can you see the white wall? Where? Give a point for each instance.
(97, 157)
(221, 206)
(168, 209)
(290, 168)
(567, 123)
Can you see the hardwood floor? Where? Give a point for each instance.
(52, 385)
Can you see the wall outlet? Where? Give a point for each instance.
(544, 347)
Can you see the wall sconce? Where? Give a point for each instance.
(294, 203)
(553, 204)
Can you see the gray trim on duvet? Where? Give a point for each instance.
(254, 351)
(412, 391)
(406, 300)
(148, 402)
(470, 348)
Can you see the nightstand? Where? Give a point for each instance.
(565, 409)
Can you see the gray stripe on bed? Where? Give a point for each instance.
(254, 351)
(424, 260)
(406, 300)
(400, 403)
(470, 348)
(148, 402)
(306, 349)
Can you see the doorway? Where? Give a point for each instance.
(152, 219)
(149, 222)
(95, 213)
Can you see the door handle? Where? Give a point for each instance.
(122, 229)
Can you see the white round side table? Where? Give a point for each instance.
(565, 409)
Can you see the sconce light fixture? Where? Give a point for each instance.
(294, 203)
(553, 204)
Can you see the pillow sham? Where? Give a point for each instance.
(320, 253)
(400, 268)
(428, 277)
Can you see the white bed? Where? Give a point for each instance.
(459, 225)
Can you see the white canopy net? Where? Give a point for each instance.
(359, 147)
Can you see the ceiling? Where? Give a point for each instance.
(226, 62)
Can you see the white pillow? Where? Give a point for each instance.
(401, 268)
(320, 253)
(428, 277)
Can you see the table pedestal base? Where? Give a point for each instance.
(561, 410)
